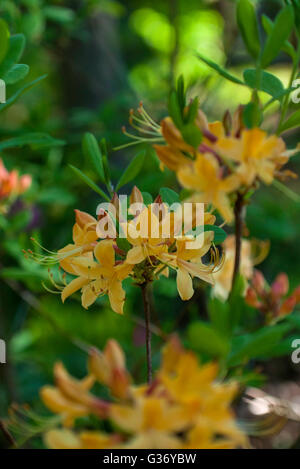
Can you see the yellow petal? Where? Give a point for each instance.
(104, 253)
(73, 286)
(135, 255)
(184, 284)
(116, 296)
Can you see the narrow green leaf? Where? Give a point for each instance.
(36, 140)
(252, 115)
(247, 21)
(280, 32)
(4, 39)
(169, 196)
(174, 110)
(92, 152)
(17, 73)
(292, 122)
(89, 182)
(13, 54)
(21, 91)
(221, 71)
(287, 46)
(132, 170)
(59, 14)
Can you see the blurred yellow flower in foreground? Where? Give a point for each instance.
(184, 407)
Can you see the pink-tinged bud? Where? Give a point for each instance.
(158, 200)
(280, 286)
(288, 306)
(83, 219)
(252, 299)
(13, 181)
(119, 384)
(136, 197)
(258, 282)
(3, 171)
(237, 122)
(25, 183)
(296, 294)
(201, 121)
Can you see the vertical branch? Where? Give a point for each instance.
(147, 311)
(238, 215)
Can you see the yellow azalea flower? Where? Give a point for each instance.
(252, 253)
(84, 237)
(205, 176)
(184, 407)
(257, 154)
(98, 278)
(188, 264)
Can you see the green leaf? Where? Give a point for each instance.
(268, 82)
(21, 91)
(92, 152)
(192, 135)
(148, 199)
(256, 344)
(287, 46)
(247, 21)
(174, 110)
(16, 73)
(280, 32)
(35, 140)
(292, 122)
(204, 338)
(132, 170)
(221, 71)
(252, 115)
(14, 53)
(59, 14)
(89, 182)
(4, 39)
(169, 196)
(220, 234)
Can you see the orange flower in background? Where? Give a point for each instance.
(272, 300)
(11, 184)
(184, 407)
(253, 252)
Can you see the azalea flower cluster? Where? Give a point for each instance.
(185, 407)
(100, 263)
(272, 300)
(11, 185)
(227, 159)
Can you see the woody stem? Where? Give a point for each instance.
(145, 294)
(238, 214)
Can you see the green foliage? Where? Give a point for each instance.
(132, 170)
(247, 21)
(279, 34)
(92, 152)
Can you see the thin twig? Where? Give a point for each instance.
(147, 311)
(7, 434)
(238, 214)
